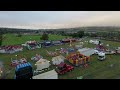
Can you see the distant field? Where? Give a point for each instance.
(11, 39)
(95, 70)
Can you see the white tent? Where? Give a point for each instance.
(47, 75)
(107, 45)
(42, 64)
(94, 42)
(57, 60)
(86, 51)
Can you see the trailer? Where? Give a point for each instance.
(47, 75)
(23, 71)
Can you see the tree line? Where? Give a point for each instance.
(108, 35)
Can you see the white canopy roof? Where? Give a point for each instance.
(86, 51)
(47, 75)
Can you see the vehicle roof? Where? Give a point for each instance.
(22, 66)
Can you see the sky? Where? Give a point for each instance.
(58, 19)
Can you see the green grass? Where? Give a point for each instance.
(112, 44)
(96, 69)
(11, 39)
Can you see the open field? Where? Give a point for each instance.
(11, 39)
(95, 70)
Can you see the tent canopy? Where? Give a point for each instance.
(86, 51)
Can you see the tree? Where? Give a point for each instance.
(19, 35)
(80, 34)
(44, 37)
(86, 34)
(37, 32)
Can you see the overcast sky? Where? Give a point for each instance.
(58, 19)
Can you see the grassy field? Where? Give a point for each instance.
(95, 70)
(11, 39)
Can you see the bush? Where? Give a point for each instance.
(19, 35)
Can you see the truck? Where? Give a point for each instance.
(62, 68)
(101, 56)
(23, 71)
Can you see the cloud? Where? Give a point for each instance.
(58, 19)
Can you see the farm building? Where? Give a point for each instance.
(47, 75)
